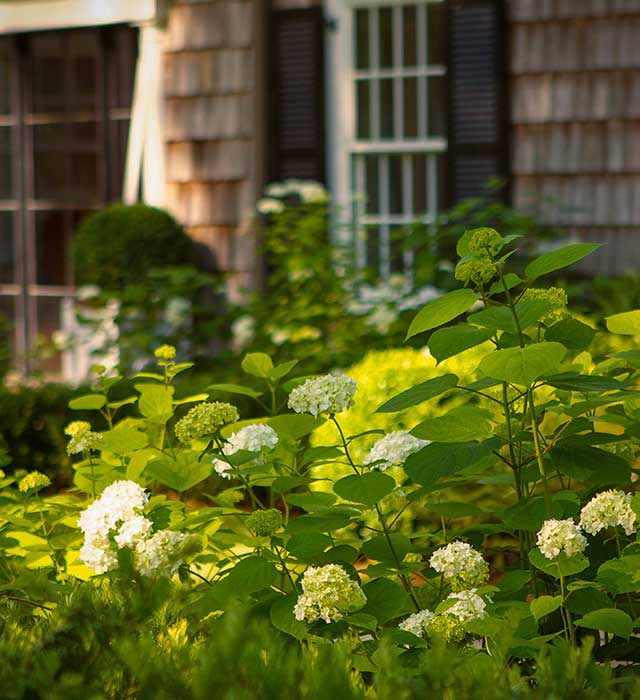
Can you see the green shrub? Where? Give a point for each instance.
(118, 245)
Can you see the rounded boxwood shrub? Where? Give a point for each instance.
(120, 243)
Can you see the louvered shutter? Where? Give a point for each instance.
(296, 92)
(478, 128)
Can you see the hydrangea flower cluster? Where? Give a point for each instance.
(165, 352)
(461, 565)
(117, 515)
(393, 448)
(480, 272)
(256, 437)
(328, 593)
(468, 606)
(330, 393)
(608, 509)
(557, 536)
(82, 438)
(555, 297)
(417, 623)
(205, 419)
(34, 481)
(264, 522)
(485, 241)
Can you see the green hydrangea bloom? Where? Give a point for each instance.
(485, 241)
(480, 271)
(165, 352)
(555, 296)
(448, 628)
(205, 419)
(264, 522)
(35, 481)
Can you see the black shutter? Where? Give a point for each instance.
(478, 125)
(297, 94)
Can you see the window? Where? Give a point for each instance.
(65, 99)
(389, 84)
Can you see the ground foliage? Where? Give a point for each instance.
(326, 575)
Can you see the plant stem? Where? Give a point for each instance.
(536, 444)
(284, 567)
(344, 444)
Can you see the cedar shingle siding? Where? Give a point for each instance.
(575, 86)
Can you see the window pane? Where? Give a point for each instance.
(48, 77)
(85, 161)
(362, 39)
(386, 109)
(5, 76)
(122, 59)
(52, 237)
(419, 166)
(409, 35)
(395, 184)
(6, 158)
(373, 250)
(83, 52)
(362, 108)
(385, 32)
(397, 244)
(7, 249)
(7, 331)
(437, 34)
(437, 100)
(371, 176)
(49, 160)
(49, 359)
(410, 108)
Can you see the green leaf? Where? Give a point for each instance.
(115, 405)
(308, 546)
(500, 317)
(88, 402)
(193, 398)
(571, 381)
(427, 466)
(180, 474)
(123, 439)
(282, 617)
(609, 620)
(235, 389)
(317, 522)
(627, 323)
(619, 575)
(523, 366)
(573, 334)
(294, 425)
(377, 548)
(447, 342)
(557, 259)
(562, 565)
(280, 371)
(312, 501)
(368, 488)
(156, 402)
(442, 310)
(545, 605)
(587, 463)
(419, 393)
(249, 575)
(511, 280)
(362, 620)
(462, 424)
(257, 364)
(175, 370)
(453, 509)
(385, 600)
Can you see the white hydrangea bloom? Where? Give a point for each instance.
(159, 555)
(97, 554)
(469, 605)
(328, 593)
(330, 393)
(269, 206)
(132, 531)
(253, 438)
(608, 509)
(557, 536)
(417, 623)
(460, 564)
(393, 448)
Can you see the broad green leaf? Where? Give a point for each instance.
(364, 621)
(571, 381)
(308, 546)
(123, 402)
(438, 460)
(250, 575)
(447, 342)
(257, 364)
(511, 280)
(573, 334)
(235, 389)
(123, 439)
(462, 424)
(500, 317)
(557, 259)
(419, 393)
(194, 398)
(619, 575)
(531, 512)
(179, 475)
(545, 605)
(562, 565)
(88, 402)
(385, 600)
(156, 402)
(341, 553)
(453, 509)
(318, 522)
(610, 620)
(377, 548)
(282, 617)
(368, 488)
(523, 366)
(175, 370)
(312, 501)
(442, 310)
(280, 371)
(627, 323)
(588, 463)
(294, 425)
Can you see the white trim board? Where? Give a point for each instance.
(33, 15)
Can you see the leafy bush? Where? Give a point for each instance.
(527, 595)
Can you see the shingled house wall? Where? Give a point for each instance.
(214, 126)
(575, 108)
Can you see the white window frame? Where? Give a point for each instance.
(343, 144)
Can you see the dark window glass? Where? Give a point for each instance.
(395, 184)
(437, 99)
(6, 159)
(7, 249)
(410, 108)
(437, 34)
(6, 82)
(371, 176)
(52, 235)
(386, 109)
(409, 47)
(385, 33)
(419, 168)
(362, 109)
(362, 39)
